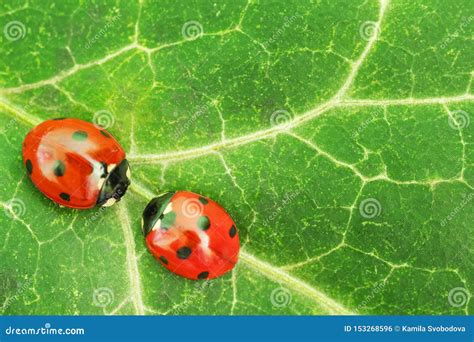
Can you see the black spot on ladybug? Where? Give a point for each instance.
(203, 275)
(232, 231)
(65, 196)
(29, 166)
(79, 135)
(183, 252)
(203, 200)
(203, 223)
(59, 168)
(164, 260)
(104, 133)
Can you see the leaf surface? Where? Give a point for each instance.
(335, 133)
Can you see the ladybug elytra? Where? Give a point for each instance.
(75, 163)
(191, 235)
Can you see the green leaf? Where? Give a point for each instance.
(336, 134)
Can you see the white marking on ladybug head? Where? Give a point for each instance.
(100, 183)
(95, 179)
(156, 225)
(129, 174)
(110, 202)
(168, 208)
(110, 167)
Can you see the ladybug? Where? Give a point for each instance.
(191, 235)
(75, 163)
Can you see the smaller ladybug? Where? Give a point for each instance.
(191, 235)
(75, 163)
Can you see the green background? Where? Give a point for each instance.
(372, 102)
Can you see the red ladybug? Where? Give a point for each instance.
(191, 235)
(75, 163)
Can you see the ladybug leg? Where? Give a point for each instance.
(115, 185)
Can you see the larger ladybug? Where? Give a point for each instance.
(191, 235)
(75, 163)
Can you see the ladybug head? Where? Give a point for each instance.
(154, 211)
(115, 185)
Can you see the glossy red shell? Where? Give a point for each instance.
(65, 160)
(194, 237)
